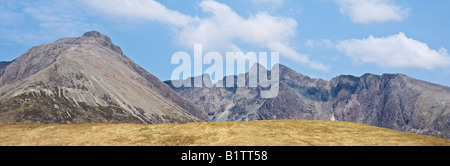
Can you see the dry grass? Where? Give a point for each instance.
(256, 133)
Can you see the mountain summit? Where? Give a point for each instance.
(86, 79)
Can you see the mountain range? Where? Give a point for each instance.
(86, 79)
(393, 101)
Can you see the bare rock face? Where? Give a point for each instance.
(393, 101)
(397, 102)
(86, 79)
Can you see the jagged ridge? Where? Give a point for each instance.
(393, 101)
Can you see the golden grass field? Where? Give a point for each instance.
(255, 133)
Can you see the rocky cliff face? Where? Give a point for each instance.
(86, 79)
(393, 101)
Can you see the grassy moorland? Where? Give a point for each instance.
(255, 133)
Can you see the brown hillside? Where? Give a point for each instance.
(255, 133)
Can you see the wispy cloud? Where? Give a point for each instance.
(33, 22)
(269, 2)
(372, 11)
(9, 17)
(394, 51)
(218, 31)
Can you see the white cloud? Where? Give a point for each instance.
(372, 11)
(218, 31)
(140, 9)
(394, 51)
(327, 43)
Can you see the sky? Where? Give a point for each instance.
(318, 38)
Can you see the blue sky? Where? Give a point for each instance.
(318, 38)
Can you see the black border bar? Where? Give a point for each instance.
(240, 154)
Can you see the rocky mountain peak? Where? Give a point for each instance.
(42, 56)
(95, 37)
(94, 34)
(92, 37)
(256, 67)
(286, 72)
